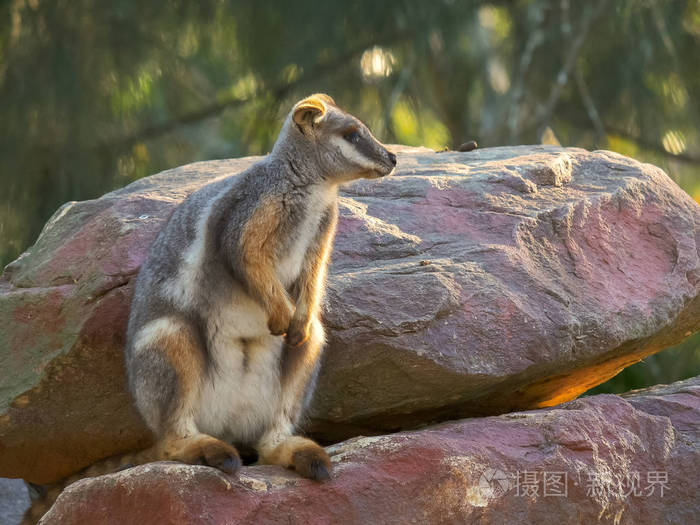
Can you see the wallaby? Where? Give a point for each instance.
(224, 337)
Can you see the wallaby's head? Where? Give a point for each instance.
(340, 145)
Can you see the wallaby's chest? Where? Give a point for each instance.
(304, 234)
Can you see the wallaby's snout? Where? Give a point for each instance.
(392, 162)
(383, 160)
(387, 160)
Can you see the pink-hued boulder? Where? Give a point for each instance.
(602, 459)
(466, 284)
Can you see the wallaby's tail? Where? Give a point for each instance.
(48, 494)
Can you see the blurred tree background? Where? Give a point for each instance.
(97, 94)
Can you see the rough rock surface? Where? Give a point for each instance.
(601, 459)
(467, 284)
(14, 500)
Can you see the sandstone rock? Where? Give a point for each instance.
(601, 459)
(466, 284)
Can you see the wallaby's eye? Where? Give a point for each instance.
(352, 136)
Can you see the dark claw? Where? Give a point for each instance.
(230, 465)
(276, 332)
(296, 338)
(319, 472)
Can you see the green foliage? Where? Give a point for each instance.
(673, 364)
(97, 94)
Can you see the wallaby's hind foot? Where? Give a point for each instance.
(203, 449)
(305, 456)
(312, 462)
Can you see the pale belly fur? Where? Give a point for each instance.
(242, 396)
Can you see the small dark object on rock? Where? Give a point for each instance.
(468, 146)
(424, 263)
(443, 150)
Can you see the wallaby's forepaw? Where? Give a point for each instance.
(298, 333)
(280, 318)
(312, 462)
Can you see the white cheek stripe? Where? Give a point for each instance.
(350, 152)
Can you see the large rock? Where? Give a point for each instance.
(468, 283)
(601, 459)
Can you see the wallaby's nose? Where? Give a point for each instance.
(392, 158)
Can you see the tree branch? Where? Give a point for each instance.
(590, 107)
(563, 76)
(533, 42)
(211, 110)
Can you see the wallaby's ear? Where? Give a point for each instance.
(311, 110)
